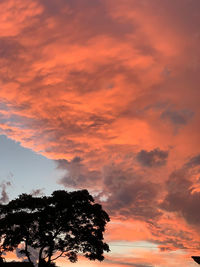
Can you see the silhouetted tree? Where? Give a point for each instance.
(61, 225)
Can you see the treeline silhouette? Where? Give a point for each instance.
(61, 225)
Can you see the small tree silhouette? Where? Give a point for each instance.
(61, 225)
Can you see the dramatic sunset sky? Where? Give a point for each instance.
(105, 95)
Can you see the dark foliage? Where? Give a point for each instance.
(61, 225)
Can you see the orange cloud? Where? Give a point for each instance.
(105, 89)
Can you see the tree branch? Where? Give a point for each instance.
(40, 253)
(61, 255)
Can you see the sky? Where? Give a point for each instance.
(104, 95)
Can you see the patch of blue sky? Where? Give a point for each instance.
(26, 170)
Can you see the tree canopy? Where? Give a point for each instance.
(61, 225)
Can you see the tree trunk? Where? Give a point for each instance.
(26, 252)
(50, 254)
(41, 261)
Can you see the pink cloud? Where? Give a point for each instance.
(108, 89)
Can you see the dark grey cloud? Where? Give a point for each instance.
(4, 195)
(193, 162)
(177, 117)
(182, 198)
(77, 174)
(136, 200)
(129, 195)
(153, 158)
